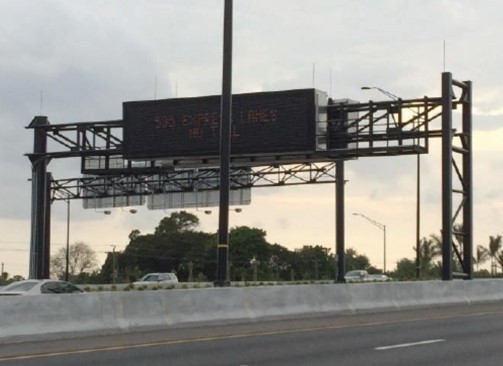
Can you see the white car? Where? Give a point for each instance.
(39, 287)
(157, 278)
(364, 276)
(356, 276)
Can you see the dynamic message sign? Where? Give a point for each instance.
(267, 123)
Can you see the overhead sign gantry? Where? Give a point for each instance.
(281, 138)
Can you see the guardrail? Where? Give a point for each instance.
(54, 316)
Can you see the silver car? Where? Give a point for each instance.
(356, 276)
(39, 287)
(157, 278)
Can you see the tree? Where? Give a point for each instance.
(177, 222)
(355, 261)
(499, 259)
(494, 249)
(457, 253)
(280, 263)
(481, 256)
(405, 270)
(429, 249)
(3, 278)
(175, 245)
(81, 258)
(314, 263)
(134, 234)
(247, 244)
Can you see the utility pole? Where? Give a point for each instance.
(114, 265)
(225, 150)
(67, 259)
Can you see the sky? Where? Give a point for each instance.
(79, 60)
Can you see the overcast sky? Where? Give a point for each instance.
(79, 60)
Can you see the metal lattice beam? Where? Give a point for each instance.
(191, 181)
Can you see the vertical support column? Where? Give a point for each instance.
(339, 221)
(446, 176)
(46, 262)
(468, 181)
(38, 198)
(418, 216)
(67, 254)
(225, 150)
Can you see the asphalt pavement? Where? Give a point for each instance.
(454, 335)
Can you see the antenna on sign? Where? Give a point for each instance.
(330, 91)
(155, 87)
(444, 55)
(41, 101)
(314, 72)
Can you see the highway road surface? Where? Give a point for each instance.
(454, 335)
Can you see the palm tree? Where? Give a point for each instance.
(459, 240)
(437, 241)
(482, 255)
(429, 249)
(499, 259)
(494, 249)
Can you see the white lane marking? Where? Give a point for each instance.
(409, 344)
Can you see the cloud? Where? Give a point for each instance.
(88, 56)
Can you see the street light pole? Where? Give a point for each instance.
(383, 228)
(67, 237)
(385, 92)
(114, 265)
(225, 151)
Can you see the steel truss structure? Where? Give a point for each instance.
(190, 180)
(353, 130)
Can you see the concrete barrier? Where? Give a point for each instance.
(53, 316)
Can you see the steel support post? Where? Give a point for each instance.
(468, 181)
(339, 221)
(446, 176)
(38, 199)
(225, 149)
(418, 216)
(46, 261)
(67, 254)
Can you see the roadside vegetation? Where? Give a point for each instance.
(176, 245)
